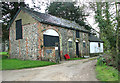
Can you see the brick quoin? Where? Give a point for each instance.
(9, 43)
(26, 47)
(39, 46)
(19, 49)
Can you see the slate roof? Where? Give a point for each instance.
(52, 20)
(93, 38)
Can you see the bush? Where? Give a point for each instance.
(101, 61)
(111, 58)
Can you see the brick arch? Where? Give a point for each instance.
(60, 37)
(51, 32)
(53, 29)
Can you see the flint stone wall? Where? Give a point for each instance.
(31, 46)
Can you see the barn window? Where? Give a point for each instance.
(49, 41)
(51, 37)
(18, 29)
(98, 44)
(70, 43)
(84, 44)
(77, 34)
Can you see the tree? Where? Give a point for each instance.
(105, 23)
(37, 6)
(9, 10)
(69, 11)
(118, 27)
(109, 24)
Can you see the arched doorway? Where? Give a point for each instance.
(50, 37)
(50, 40)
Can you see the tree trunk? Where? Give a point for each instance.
(117, 30)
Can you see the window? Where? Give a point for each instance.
(98, 44)
(50, 41)
(70, 44)
(18, 29)
(77, 34)
(84, 45)
(50, 37)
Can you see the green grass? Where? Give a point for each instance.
(93, 58)
(4, 56)
(10, 64)
(0, 64)
(75, 58)
(3, 53)
(106, 73)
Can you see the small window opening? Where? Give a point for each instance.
(19, 29)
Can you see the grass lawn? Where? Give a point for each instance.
(75, 58)
(9, 64)
(3, 53)
(106, 73)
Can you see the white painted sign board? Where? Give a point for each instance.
(56, 48)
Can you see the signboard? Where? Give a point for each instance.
(56, 48)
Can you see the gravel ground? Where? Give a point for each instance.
(77, 70)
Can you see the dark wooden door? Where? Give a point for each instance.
(77, 49)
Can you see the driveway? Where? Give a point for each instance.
(77, 70)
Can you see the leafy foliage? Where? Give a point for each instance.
(106, 73)
(9, 10)
(69, 11)
(106, 23)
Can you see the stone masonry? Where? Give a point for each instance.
(31, 46)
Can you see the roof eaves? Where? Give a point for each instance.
(33, 15)
(43, 21)
(97, 41)
(63, 26)
(93, 38)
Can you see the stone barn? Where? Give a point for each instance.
(40, 36)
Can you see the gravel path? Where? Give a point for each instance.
(77, 70)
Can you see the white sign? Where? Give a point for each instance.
(56, 48)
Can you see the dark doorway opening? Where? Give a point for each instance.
(50, 41)
(77, 49)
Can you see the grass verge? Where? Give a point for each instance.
(3, 53)
(11, 64)
(93, 58)
(106, 73)
(75, 58)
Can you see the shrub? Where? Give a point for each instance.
(101, 61)
(112, 59)
(4, 57)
